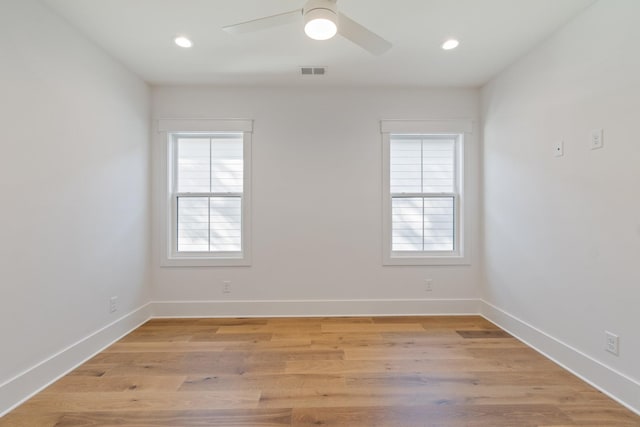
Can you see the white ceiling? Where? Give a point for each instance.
(493, 34)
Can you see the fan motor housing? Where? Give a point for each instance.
(312, 5)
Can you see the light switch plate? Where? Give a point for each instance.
(558, 149)
(597, 139)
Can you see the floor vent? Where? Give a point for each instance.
(313, 71)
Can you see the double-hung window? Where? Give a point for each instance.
(423, 208)
(208, 198)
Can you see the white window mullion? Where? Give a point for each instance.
(422, 215)
(209, 199)
(422, 186)
(209, 224)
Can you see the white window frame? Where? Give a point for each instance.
(171, 130)
(461, 131)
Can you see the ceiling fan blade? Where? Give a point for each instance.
(359, 35)
(264, 23)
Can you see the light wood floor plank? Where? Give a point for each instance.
(125, 402)
(435, 415)
(193, 418)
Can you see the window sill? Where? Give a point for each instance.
(426, 260)
(206, 262)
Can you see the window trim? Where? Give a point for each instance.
(461, 129)
(171, 129)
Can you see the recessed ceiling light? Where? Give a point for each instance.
(182, 41)
(450, 44)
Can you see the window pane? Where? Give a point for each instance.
(422, 224)
(193, 165)
(227, 164)
(405, 167)
(438, 224)
(226, 224)
(193, 224)
(422, 165)
(406, 220)
(437, 165)
(209, 224)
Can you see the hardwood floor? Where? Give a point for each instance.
(355, 372)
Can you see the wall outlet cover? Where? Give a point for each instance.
(428, 285)
(612, 343)
(226, 286)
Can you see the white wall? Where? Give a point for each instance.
(316, 199)
(562, 235)
(74, 185)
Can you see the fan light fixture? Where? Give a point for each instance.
(183, 41)
(320, 22)
(450, 44)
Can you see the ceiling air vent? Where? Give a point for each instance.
(313, 71)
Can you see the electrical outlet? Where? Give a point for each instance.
(612, 343)
(226, 286)
(428, 285)
(113, 304)
(597, 139)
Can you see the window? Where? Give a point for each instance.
(208, 197)
(423, 193)
(423, 197)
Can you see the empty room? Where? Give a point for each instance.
(351, 213)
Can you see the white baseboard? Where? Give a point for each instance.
(26, 384)
(614, 384)
(314, 308)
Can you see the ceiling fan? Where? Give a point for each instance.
(321, 22)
